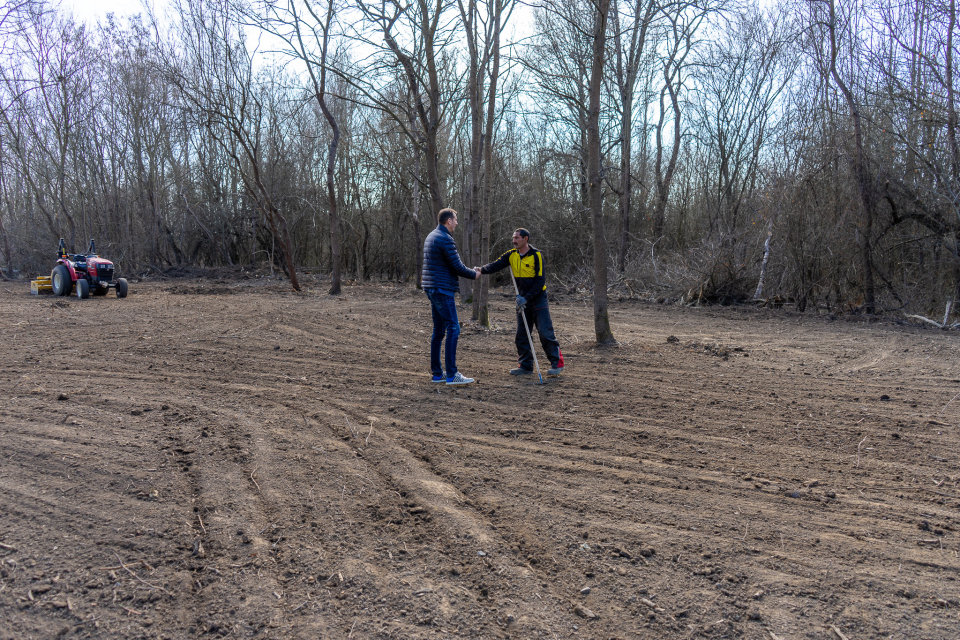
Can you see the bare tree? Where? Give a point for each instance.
(834, 27)
(630, 29)
(50, 106)
(483, 48)
(917, 113)
(416, 200)
(559, 58)
(13, 22)
(307, 31)
(683, 23)
(5, 196)
(425, 34)
(601, 315)
(141, 141)
(740, 80)
(469, 16)
(215, 76)
(501, 12)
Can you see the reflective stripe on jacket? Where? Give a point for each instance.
(527, 269)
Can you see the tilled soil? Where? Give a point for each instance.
(225, 458)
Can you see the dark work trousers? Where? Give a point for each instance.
(445, 323)
(538, 318)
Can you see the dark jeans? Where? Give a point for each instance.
(538, 317)
(445, 323)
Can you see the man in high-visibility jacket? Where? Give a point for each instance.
(526, 262)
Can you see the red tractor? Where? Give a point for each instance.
(90, 272)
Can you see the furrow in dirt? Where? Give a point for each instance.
(234, 460)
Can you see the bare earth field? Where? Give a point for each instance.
(225, 458)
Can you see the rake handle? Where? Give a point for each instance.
(523, 316)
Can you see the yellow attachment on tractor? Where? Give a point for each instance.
(41, 285)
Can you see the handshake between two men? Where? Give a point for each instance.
(441, 268)
(521, 301)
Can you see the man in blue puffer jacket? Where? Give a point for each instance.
(441, 266)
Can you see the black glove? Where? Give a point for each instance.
(521, 303)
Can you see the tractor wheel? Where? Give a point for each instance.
(60, 280)
(121, 287)
(83, 289)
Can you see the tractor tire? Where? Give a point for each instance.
(60, 281)
(83, 289)
(121, 287)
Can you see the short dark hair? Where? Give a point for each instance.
(523, 232)
(446, 214)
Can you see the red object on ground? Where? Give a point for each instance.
(88, 273)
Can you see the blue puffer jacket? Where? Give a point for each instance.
(441, 262)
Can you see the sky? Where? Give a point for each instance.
(91, 11)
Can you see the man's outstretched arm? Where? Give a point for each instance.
(500, 263)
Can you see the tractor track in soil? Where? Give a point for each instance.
(225, 458)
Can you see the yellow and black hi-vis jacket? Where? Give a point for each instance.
(527, 269)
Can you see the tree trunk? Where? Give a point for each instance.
(951, 98)
(472, 200)
(860, 171)
(665, 179)
(628, 66)
(335, 260)
(483, 311)
(3, 232)
(7, 255)
(766, 258)
(472, 228)
(625, 181)
(320, 87)
(429, 115)
(601, 316)
(417, 232)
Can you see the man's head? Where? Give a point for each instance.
(521, 239)
(448, 218)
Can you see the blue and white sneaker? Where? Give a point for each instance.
(441, 378)
(459, 378)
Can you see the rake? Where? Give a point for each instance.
(523, 316)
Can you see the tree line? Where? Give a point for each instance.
(693, 151)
